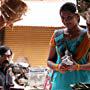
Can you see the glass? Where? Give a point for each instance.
(7, 55)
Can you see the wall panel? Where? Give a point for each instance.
(30, 42)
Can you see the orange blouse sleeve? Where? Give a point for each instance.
(52, 41)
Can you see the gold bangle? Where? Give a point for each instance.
(78, 67)
(56, 67)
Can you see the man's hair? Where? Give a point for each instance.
(4, 49)
(68, 6)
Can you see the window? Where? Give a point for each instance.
(43, 13)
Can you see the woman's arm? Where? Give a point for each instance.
(52, 64)
(81, 66)
(51, 57)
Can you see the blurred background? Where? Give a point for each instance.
(30, 36)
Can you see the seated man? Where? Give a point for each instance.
(5, 77)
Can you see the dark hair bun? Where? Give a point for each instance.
(68, 6)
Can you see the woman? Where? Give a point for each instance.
(75, 40)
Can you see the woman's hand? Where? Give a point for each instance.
(63, 68)
(74, 67)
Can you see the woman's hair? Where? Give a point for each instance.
(68, 6)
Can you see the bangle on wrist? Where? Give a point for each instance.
(55, 67)
(78, 67)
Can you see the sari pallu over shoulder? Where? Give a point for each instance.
(83, 48)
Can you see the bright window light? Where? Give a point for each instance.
(42, 13)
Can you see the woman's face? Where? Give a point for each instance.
(70, 20)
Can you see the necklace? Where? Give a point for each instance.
(71, 34)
